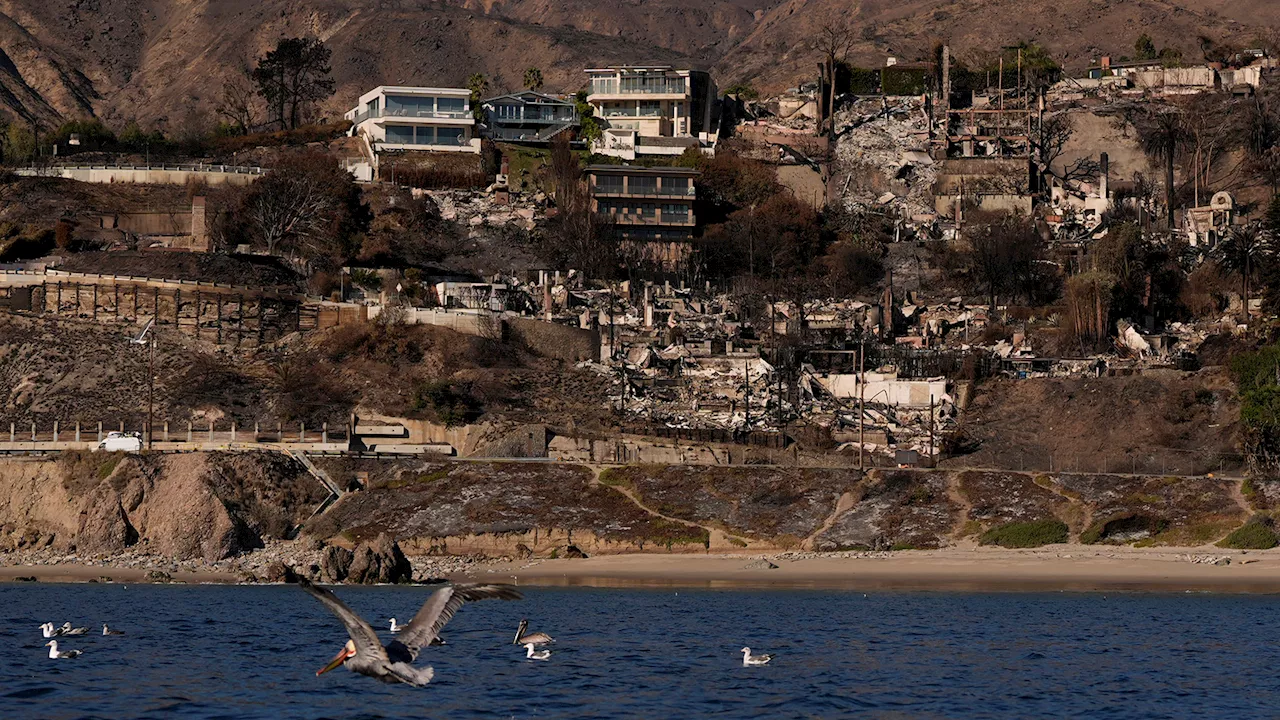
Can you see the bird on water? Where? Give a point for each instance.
(365, 655)
(749, 659)
(536, 654)
(66, 629)
(534, 638)
(108, 631)
(55, 654)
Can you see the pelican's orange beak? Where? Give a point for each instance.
(346, 652)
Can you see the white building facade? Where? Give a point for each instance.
(398, 118)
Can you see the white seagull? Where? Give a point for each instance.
(66, 629)
(108, 631)
(749, 659)
(394, 627)
(49, 631)
(55, 655)
(536, 654)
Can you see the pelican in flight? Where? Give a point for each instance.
(749, 659)
(66, 629)
(536, 654)
(537, 638)
(391, 664)
(54, 654)
(108, 631)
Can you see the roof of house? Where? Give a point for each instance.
(530, 96)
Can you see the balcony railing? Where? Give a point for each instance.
(639, 86)
(598, 189)
(412, 114)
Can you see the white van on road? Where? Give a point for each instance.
(122, 442)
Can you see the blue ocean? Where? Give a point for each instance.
(252, 652)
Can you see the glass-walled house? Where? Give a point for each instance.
(651, 207)
(416, 118)
(528, 117)
(653, 110)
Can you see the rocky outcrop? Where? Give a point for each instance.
(335, 563)
(378, 562)
(185, 507)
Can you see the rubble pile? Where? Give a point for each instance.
(477, 209)
(882, 150)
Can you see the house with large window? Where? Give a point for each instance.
(649, 206)
(397, 118)
(528, 116)
(653, 110)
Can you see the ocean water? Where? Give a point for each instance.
(252, 652)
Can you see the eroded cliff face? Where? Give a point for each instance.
(188, 507)
(207, 507)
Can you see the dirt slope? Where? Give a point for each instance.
(160, 61)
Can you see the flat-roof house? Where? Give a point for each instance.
(653, 110)
(528, 116)
(652, 206)
(397, 118)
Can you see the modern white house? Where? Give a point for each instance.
(653, 110)
(398, 118)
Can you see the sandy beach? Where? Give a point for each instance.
(1064, 567)
(1067, 568)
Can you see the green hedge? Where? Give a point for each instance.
(1026, 534)
(1253, 535)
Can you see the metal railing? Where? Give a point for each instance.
(412, 114)
(200, 167)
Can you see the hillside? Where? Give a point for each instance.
(163, 62)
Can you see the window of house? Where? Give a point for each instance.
(400, 134)
(451, 106)
(675, 212)
(609, 183)
(650, 108)
(675, 186)
(643, 185)
(449, 136)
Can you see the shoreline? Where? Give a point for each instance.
(1070, 568)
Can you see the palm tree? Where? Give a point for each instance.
(1163, 135)
(533, 79)
(1244, 248)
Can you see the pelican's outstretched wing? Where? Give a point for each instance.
(366, 640)
(441, 606)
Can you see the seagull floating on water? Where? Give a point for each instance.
(108, 631)
(365, 655)
(536, 638)
(54, 654)
(749, 659)
(536, 654)
(394, 627)
(48, 630)
(66, 629)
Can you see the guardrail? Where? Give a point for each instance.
(200, 167)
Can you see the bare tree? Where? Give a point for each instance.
(834, 40)
(239, 102)
(308, 205)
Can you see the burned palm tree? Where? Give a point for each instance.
(1164, 135)
(1241, 252)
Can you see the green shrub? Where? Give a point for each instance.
(1026, 534)
(1256, 534)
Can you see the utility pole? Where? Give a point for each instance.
(142, 339)
(931, 460)
(862, 413)
(746, 366)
